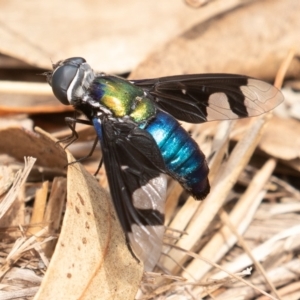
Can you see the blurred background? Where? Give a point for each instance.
(146, 39)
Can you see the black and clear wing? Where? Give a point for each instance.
(135, 168)
(206, 97)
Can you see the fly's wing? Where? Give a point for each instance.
(135, 168)
(206, 97)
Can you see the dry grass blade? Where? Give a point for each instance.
(37, 216)
(219, 147)
(27, 97)
(262, 251)
(226, 220)
(18, 182)
(280, 276)
(6, 179)
(54, 211)
(172, 201)
(284, 68)
(24, 88)
(223, 271)
(28, 292)
(21, 246)
(241, 216)
(291, 291)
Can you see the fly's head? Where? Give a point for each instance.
(70, 80)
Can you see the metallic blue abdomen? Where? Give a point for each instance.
(181, 154)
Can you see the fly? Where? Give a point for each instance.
(141, 139)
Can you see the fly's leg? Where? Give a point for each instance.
(87, 156)
(71, 122)
(99, 167)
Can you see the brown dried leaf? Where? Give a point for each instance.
(280, 138)
(91, 257)
(251, 40)
(19, 142)
(113, 35)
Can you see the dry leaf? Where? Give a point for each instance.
(114, 36)
(91, 259)
(91, 256)
(252, 40)
(19, 142)
(78, 268)
(280, 138)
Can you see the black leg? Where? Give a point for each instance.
(71, 122)
(89, 155)
(99, 167)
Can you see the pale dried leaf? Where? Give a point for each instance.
(28, 143)
(252, 40)
(114, 36)
(91, 255)
(281, 138)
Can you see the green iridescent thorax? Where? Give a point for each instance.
(122, 98)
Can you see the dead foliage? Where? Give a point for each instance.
(59, 236)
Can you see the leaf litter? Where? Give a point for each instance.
(60, 236)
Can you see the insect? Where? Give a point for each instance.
(141, 139)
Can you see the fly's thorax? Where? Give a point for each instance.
(144, 109)
(122, 98)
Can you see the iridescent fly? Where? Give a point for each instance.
(135, 121)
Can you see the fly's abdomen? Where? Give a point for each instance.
(181, 154)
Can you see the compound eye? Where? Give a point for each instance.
(74, 61)
(64, 74)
